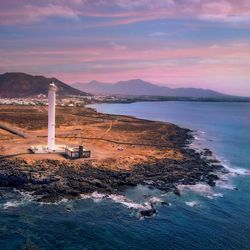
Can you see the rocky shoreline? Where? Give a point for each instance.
(53, 180)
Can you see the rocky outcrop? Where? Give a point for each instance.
(51, 180)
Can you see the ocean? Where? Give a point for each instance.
(202, 218)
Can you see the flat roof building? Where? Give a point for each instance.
(77, 152)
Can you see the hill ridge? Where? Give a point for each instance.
(19, 84)
(141, 87)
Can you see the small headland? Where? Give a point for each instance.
(126, 152)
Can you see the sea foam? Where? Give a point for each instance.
(225, 181)
(11, 204)
(121, 199)
(192, 203)
(225, 184)
(200, 188)
(236, 171)
(24, 199)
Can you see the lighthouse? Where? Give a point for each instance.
(51, 146)
(51, 117)
(71, 152)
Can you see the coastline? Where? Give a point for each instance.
(55, 180)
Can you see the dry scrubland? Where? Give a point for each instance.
(125, 152)
(116, 142)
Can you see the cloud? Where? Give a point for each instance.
(117, 46)
(124, 12)
(31, 13)
(145, 4)
(158, 33)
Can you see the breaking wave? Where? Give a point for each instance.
(121, 199)
(192, 203)
(225, 181)
(24, 199)
(10, 204)
(200, 188)
(236, 171)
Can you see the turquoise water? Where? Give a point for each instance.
(201, 218)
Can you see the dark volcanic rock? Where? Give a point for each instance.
(148, 212)
(52, 180)
(207, 152)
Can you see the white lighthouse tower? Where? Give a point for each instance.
(70, 152)
(51, 117)
(51, 147)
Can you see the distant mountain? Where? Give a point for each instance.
(139, 87)
(24, 85)
(95, 87)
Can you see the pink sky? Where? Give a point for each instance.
(189, 43)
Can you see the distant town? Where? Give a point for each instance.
(81, 101)
(70, 101)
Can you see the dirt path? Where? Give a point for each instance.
(107, 131)
(115, 142)
(12, 130)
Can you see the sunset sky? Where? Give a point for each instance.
(187, 43)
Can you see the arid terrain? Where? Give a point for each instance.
(116, 142)
(125, 152)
